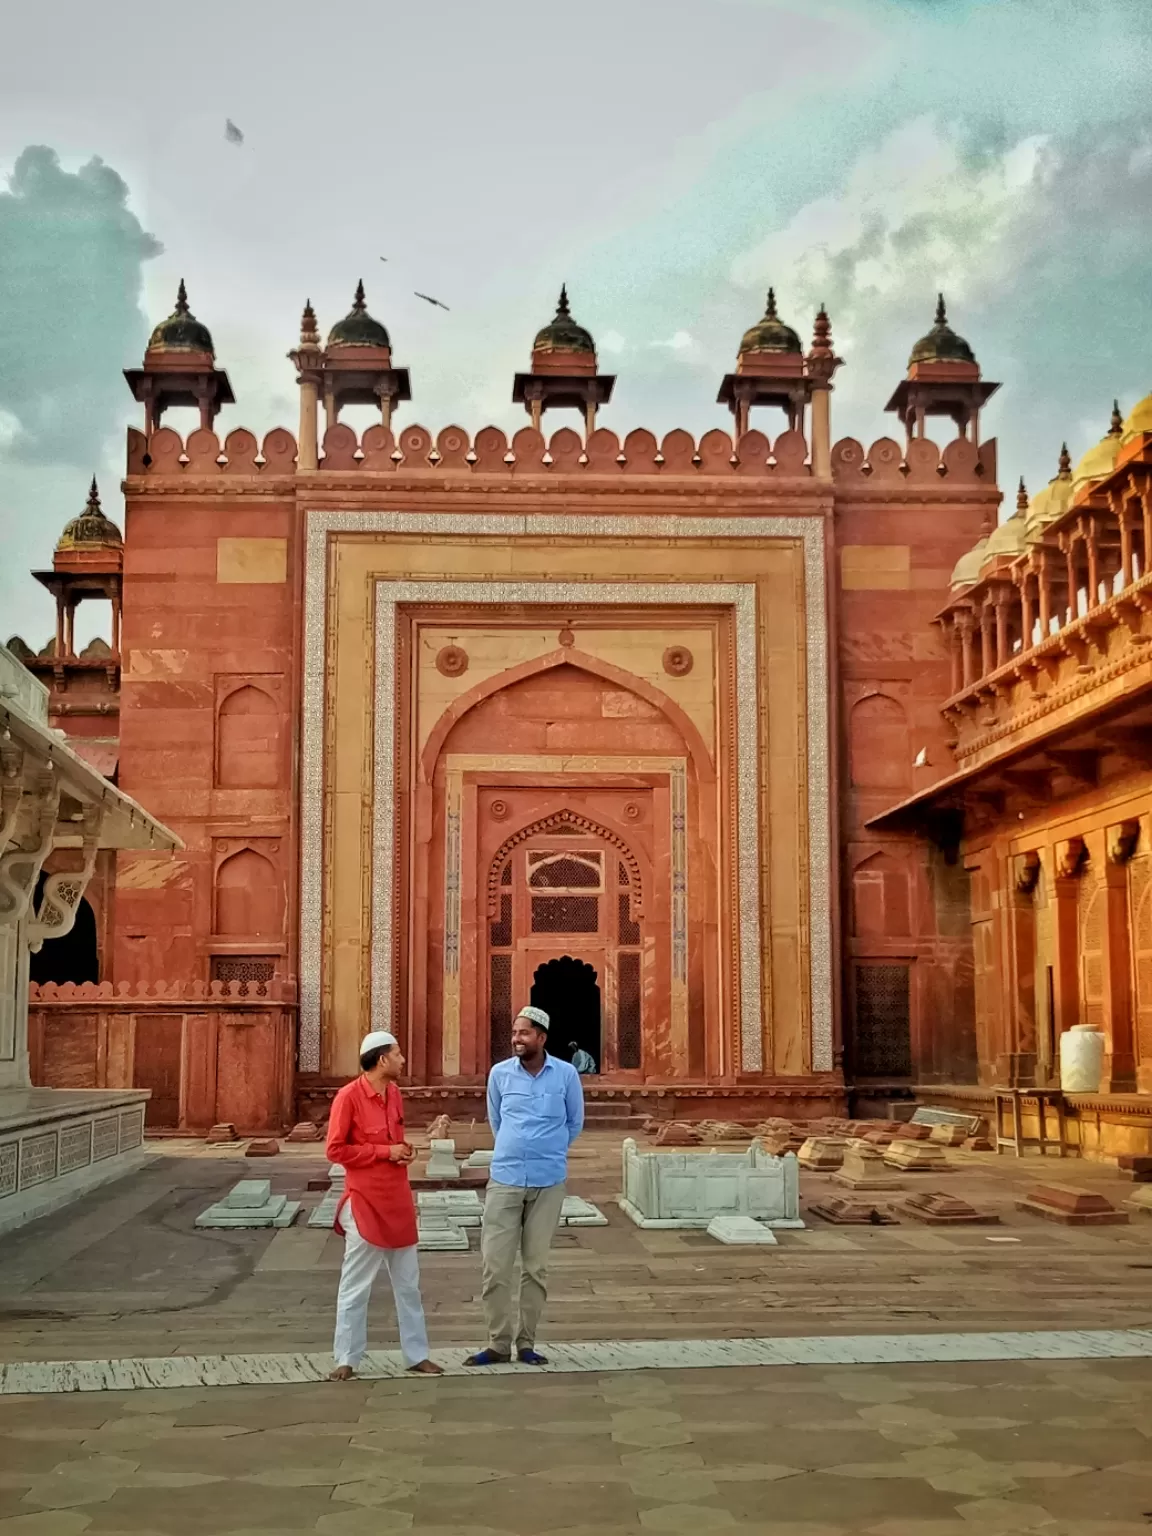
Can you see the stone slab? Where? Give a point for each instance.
(264, 1148)
(248, 1194)
(926, 1115)
(944, 1210)
(303, 1130)
(279, 1212)
(437, 1234)
(324, 1214)
(576, 1212)
(479, 1160)
(821, 1154)
(336, 1172)
(1140, 1201)
(844, 1212)
(948, 1135)
(863, 1168)
(461, 1206)
(740, 1231)
(916, 1157)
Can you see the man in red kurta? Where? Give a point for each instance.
(377, 1215)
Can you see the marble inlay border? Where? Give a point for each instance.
(808, 531)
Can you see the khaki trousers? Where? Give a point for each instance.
(520, 1221)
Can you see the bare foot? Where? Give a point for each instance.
(341, 1373)
(426, 1368)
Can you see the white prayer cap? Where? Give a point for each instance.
(535, 1016)
(377, 1040)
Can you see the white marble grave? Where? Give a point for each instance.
(740, 1231)
(440, 1234)
(687, 1189)
(462, 1206)
(576, 1212)
(442, 1162)
(479, 1160)
(250, 1203)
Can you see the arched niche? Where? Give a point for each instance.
(881, 899)
(879, 754)
(75, 956)
(248, 898)
(248, 740)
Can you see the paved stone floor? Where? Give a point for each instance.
(895, 1450)
(1061, 1449)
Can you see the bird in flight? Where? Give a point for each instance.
(232, 133)
(383, 258)
(428, 299)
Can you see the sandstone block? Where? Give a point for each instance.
(916, 1157)
(1130, 1165)
(821, 1153)
(1071, 1207)
(303, 1130)
(677, 1134)
(943, 1210)
(948, 1135)
(863, 1168)
(910, 1132)
(221, 1134)
(266, 1148)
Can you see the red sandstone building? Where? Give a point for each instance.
(771, 765)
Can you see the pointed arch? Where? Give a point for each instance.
(582, 661)
(575, 821)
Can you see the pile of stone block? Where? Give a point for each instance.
(250, 1203)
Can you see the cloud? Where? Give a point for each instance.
(71, 258)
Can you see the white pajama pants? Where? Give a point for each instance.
(362, 1261)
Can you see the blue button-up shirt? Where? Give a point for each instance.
(535, 1119)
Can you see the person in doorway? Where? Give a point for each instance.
(536, 1111)
(582, 1060)
(377, 1215)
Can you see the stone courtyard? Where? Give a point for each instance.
(1009, 1389)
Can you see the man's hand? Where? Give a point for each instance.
(402, 1152)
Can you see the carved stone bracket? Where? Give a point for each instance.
(1027, 872)
(60, 899)
(1071, 857)
(1122, 841)
(20, 867)
(11, 788)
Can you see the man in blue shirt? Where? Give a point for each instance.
(536, 1111)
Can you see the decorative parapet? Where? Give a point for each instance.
(173, 994)
(886, 465)
(1069, 617)
(412, 449)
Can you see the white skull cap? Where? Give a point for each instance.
(376, 1040)
(535, 1016)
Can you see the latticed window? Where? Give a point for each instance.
(882, 1037)
(506, 874)
(500, 932)
(564, 872)
(628, 1010)
(565, 914)
(255, 971)
(500, 1005)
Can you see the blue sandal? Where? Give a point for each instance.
(488, 1357)
(530, 1357)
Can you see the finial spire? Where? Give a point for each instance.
(1117, 420)
(941, 311)
(181, 299)
(770, 312)
(358, 303)
(1022, 498)
(309, 331)
(1065, 467)
(93, 497)
(822, 331)
(562, 306)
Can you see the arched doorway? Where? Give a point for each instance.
(568, 991)
(567, 925)
(73, 957)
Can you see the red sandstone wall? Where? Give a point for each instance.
(900, 527)
(207, 731)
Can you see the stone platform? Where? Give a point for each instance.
(56, 1144)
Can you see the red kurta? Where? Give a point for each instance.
(362, 1127)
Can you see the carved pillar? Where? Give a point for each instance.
(1044, 583)
(822, 432)
(964, 624)
(589, 415)
(1120, 1045)
(1127, 575)
(1027, 612)
(987, 641)
(1016, 1066)
(1073, 578)
(1146, 509)
(955, 651)
(308, 450)
(1093, 547)
(1003, 637)
(1070, 857)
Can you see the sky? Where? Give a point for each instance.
(667, 159)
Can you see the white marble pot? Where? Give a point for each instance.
(1081, 1059)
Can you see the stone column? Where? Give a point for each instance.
(1066, 970)
(308, 446)
(965, 625)
(986, 640)
(1120, 1047)
(1073, 578)
(1002, 637)
(1126, 547)
(1017, 1067)
(1093, 564)
(955, 650)
(822, 432)
(1044, 583)
(1027, 612)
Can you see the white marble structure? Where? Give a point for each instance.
(462, 1206)
(55, 1143)
(442, 1162)
(250, 1203)
(687, 1189)
(741, 1232)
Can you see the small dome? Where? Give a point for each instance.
(91, 530)
(941, 345)
(1052, 502)
(967, 570)
(770, 334)
(1138, 420)
(562, 334)
(358, 329)
(1100, 460)
(181, 332)
(1008, 537)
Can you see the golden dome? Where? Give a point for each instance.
(967, 570)
(91, 530)
(1139, 419)
(1052, 502)
(1099, 461)
(1007, 538)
